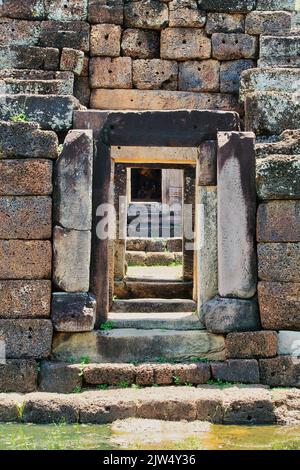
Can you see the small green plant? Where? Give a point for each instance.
(102, 386)
(77, 389)
(176, 380)
(21, 117)
(155, 385)
(20, 409)
(175, 263)
(221, 383)
(85, 360)
(136, 386)
(124, 384)
(188, 384)
(108, 325)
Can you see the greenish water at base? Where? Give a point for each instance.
(96, 437)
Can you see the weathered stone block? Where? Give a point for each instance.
(288, 5)
(25, 217)
(82, 90)
(277, 177)
(280, 371)
(19, 33)
(269, 113)
(9, 407)
(288, 144)
(244, 371)
(237, 204)
(186, 13)
(66, 10)
(111, 73)
(145, 374)
(161, 100)
(19, 376)
(199, 76)
(185, 44)
(43, 408)
(208, 164)
(279, 305)
(278, 221)
(72, 252)
(289, 343)
(242, 6)
(106, 40)
(98, 410)
(73, 183)
(26, 339)
(24, 9)
(155, 74)
(248, 406)
(251, 344)
(225, 23)
(279, 262)
(72, 312)
(22, 177)
(25, 299)
(268, 22)
(227, 315)
(59, 377)
(234, 46)
(111, 374)
(270, 79)
(70, 34)
(198, 373)
(72, 60)
(105, 11)
(25, 259)
(230, 74)
(140, 44)
(150, 14)
(29, 57)
(50, 112)
(279, 51)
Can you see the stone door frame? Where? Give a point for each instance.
(228, 232)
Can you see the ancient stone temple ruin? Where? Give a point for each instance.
(113, 109)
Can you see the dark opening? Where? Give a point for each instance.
(146, 185)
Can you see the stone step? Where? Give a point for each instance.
(154, 244)
(49, 111)
(279, 51)
(29, 57)
(22, 81)
(130, 345)
(182, 321)
(140, 258)
(287, 144)
(269, 79)
(136, 288)
(153, 305)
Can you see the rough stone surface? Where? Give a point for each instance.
(73, 182)
(9, 407)
(230, 74)
(237, 204)
(106, 40)
(277, 177)
(270, 113)
(72, 60)
(71, 249)
(140, 44)
(268, 22)
(22, 139)
(59, 377)
(288, 5)
(106, 72)
(149, 14)
(51, 408)
(256, 344)
(160, 100)
(155, 74)
(242, 6)
(227, 315)
(25, 217)
(25, 177)
(26, 339)
(225, 23)
(278, 221)
(185, 44)
(289, 343)
(105, 11)
(199, 76)
(186, 13)
(282, 371)
(60, 34)
(287, 144)
(24, 9)
(29, 57)
(110, 374)
(25, 299)
(279, 305)
(18, 376)
(286, 403)
(24, 259)
(279, 51)
(72, 312)
(66, 10)
(208, 164)
(234, 46)
(19, 32)
(234, 370)
(279, 262)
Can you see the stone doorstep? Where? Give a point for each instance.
(151, 305)
(150, 289)
(156, 320)
(140, 258)
(233, 405)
